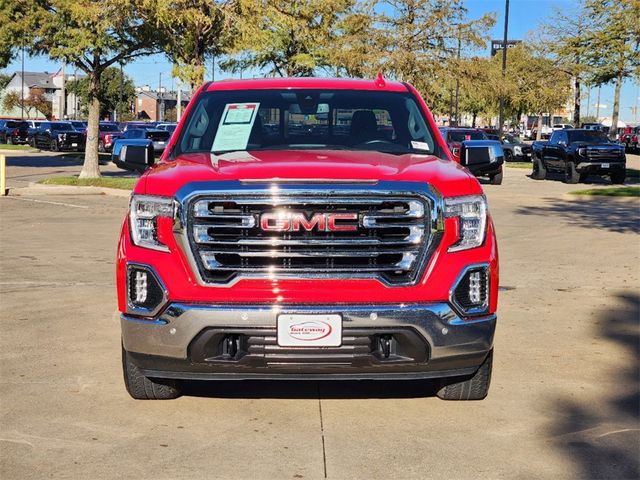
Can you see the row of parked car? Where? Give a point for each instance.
(71, 135)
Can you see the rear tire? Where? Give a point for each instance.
(571, 175)
(474, 387)
(496, 179)
(144, 388)
(508, 156)
(618, 177)
(100, 147)
(538, 172)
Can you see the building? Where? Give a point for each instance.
(158, 106)
(52, 84)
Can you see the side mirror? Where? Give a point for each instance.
(477, 152)
(135, 157)
(562, 142)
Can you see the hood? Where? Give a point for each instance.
(308, 165)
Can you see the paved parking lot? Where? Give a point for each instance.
(564, 401)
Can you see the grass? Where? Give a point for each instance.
(123, 183)
(610, 192)
(519, 165)
(633, 173)
(8, 146)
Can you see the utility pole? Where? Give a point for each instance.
(598, 106)
(161, 114)
(22, 80)
(588, 102)
(213, 68)
(504, 65)
(179, 102)
(63, 96)
(456, 114)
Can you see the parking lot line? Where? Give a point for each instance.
(62, 204)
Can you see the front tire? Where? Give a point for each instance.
(54, 146)
(571, 175)
(538, 172)
(496, 179)
(475, 387)
(144, 388)
(618, 177)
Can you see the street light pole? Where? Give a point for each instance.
(504, 64)
(22, 80)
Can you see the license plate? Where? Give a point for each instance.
(74, 144)
(604, 165)
(160, 143)
(297, 330)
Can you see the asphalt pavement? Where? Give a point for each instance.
(564, 400)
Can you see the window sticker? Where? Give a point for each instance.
(235, 127)
(420, 145)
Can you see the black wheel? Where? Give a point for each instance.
(538, 172)
(474, 387)
(9, 140)
(618, 177)
(571, 175)
(508, 156)
(496, 179)
(32, 142)
(101, 146)
(144, 388)
(54, 146)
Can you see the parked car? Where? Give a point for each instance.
(491, 165)
(595, 126)
(250, 253)
(579, 153)
(57, 136)
(33, 126)
(169, 127)
(108, 133)
(518, 151)
(546, 132)
(560, 126)
(13, 131)
(629, 138)
(136, 125)
(79, 125)
(148, 142)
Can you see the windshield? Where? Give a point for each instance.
(511, 139)
(463, 135)
(305, 119)
(157, 135)
(588, 136)
(61, 126)
(106, 127)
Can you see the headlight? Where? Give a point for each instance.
(471, 212)
(144, 212)
(582, 152)
(62, 136)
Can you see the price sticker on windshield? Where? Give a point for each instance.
(235, 127)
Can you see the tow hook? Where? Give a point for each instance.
(385, 345)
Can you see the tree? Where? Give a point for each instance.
(4, 80)
(35, 103)
(18, 21)
(191, 31)
(285, 38)
(613, 45)
(419, 40)
(565, 40)
(92, 36)
(479, 90)
(117, 92)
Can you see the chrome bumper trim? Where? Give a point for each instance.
(447, 333)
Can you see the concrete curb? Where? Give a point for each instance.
(40, 189)
(11, 152)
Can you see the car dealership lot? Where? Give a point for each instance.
(563, 402)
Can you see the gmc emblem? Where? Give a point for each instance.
(296, 222)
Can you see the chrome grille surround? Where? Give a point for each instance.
(218, 229)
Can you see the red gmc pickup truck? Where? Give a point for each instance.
(307, 229)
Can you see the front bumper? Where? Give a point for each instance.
(426, 341)
(601, 167)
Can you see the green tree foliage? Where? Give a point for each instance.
(117, 92)
(18, 20)
(419, 41)
(4, 80)
(564, 39)
(285, 38)
(91, 35)
(613, 44)
(191, 31)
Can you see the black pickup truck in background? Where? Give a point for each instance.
(579, 153)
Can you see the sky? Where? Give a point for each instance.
(524, 15)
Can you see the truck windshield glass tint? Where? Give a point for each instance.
(588, 136)
(306, 119)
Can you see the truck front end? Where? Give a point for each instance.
(307, 229)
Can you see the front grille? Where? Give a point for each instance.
(389, 237)
(603, 154)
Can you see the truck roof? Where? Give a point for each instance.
(308, 82)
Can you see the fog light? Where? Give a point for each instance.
(141, 287)
(470, 293)
(146, 295)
